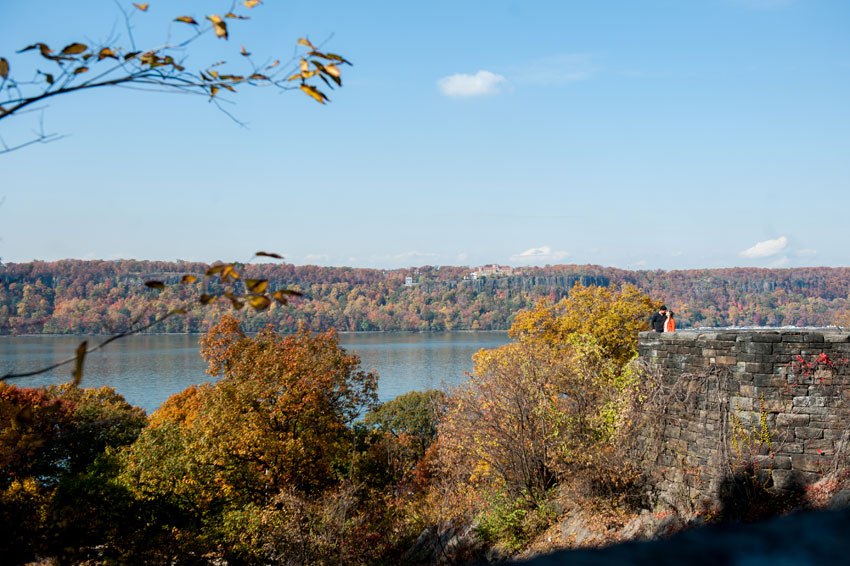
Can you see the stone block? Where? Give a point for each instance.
(758, 348)
(793, 338)
(781, 462)
(785, 479)
(837, 337)
(809, 463)
(832, 434)
(809, 401)
(741, 403)
(776, 405)
(814, 411)
(792, 419)
(764, 379)
(819, 446)
(791, 448)
(726, 360)
(762, 367)
(766, 337)
(805, 433)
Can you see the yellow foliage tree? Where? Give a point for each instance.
(611, 316)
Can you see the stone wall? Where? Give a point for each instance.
(733, 396)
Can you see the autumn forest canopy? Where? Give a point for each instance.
(101, 297)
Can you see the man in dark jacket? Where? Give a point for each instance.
(657, 320)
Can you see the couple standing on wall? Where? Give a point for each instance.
(662, 321)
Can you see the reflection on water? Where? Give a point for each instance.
(147, 369)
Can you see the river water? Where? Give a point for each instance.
(148, 369)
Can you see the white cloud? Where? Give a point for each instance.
(766, 248)
(482, 83)
(806, 253)
(539, 255)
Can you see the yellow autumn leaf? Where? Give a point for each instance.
(186, 20)
(155, 285)
(305, 66)
(4, 68)
(332, 70)
(106, 52)
(313, 92)
(257, 286)
(259, 302)
(74, 49)
(244, 52)
(251, 3)
(188, 279)
(142, 7)
(219, 26)
(306, 42)
(207, 299)
(79, 70)
(229, 270)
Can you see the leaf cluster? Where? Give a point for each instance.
(80, 66)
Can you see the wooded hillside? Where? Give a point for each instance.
(75, 296)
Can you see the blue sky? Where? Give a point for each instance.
(636, 134)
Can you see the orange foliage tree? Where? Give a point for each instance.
(275, 427)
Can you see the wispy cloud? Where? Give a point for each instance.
(555, 69)
(543, 254)
(482, 83)
(766, 248)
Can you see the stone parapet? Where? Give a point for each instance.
(779, 398)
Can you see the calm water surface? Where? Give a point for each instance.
(147, 370)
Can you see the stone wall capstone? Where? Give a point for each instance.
(734, 384)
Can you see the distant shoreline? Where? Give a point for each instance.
(464, 331)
